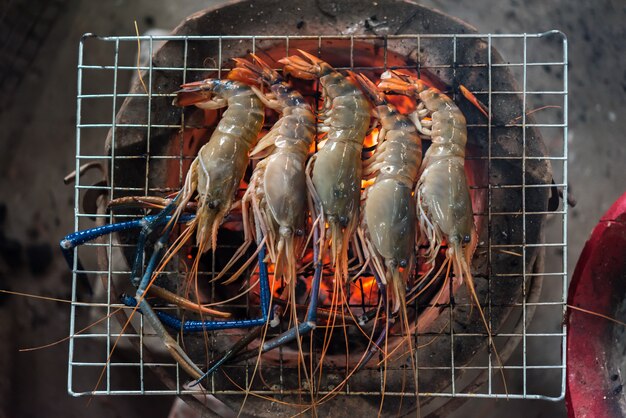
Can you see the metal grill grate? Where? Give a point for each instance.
(105, 67)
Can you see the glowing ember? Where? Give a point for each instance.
(364, 290)
(403, 103)
(371, 139)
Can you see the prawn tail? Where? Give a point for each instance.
(193, 93)
(189, 96)
(208, 222)
(394, 82)
(309, 68)
(254, 73)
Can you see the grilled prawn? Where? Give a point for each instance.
(277, 189)
(444, 203)
(214, 176)
(389, 213)
(221, 163)
(443, 198)
(337, 167)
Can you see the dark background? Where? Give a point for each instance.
(39, 47)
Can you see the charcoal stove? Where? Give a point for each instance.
(510, 169)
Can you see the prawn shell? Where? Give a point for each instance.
(445, 197)
(350, 119)
(449, 125)
(390, 218)
(219, 173)
(285, 188)
(222, 162)
(337, 180)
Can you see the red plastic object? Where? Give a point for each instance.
(594, 354)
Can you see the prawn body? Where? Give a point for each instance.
(442, 191)
(389, 213)
(277, 189)
(337, 168)
(443, 200)
(213, 178)
(220, 165)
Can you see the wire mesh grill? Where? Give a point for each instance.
(106, 66)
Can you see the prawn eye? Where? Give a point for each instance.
(403, 263)
(343, 220)
(467, 239)
(299, 232)
(213, 204)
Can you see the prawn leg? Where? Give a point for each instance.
(265, 317)
(310, 323)
(169, 320)
(172, 346)
(196, 326)
(148, 225)
(157, 319)
(375, 346)
(75, 239)
(149, 202)
(295, 332)
(234, 350)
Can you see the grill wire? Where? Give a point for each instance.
(103, 63)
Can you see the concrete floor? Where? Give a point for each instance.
(37, 150)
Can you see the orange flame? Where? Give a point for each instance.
(368, 291)
(403, 103)
(371, 139)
